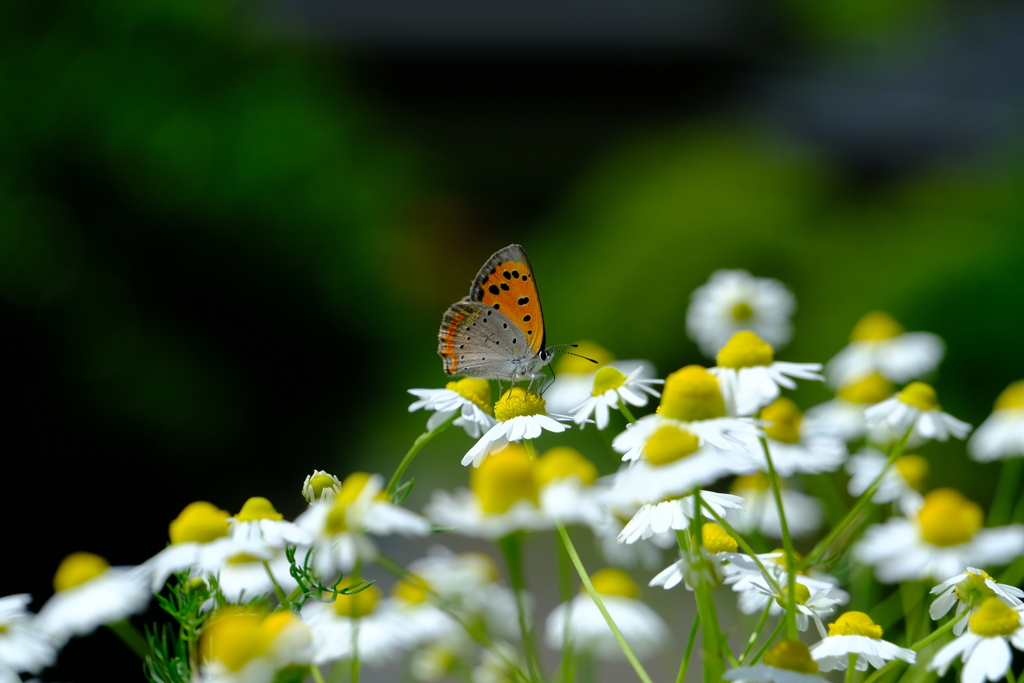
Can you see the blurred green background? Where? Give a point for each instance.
(228, 232)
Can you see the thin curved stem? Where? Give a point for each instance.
(637, 666)
(685, 664)
(916, 647)
(512, 546)
(626, 412)
(861, 503)
(757, 632)
(417, 445)
(746, 547)
(787, 544)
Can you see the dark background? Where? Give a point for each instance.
(228, 232)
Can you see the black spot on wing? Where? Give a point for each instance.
(523, 300)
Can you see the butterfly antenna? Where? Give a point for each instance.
(570, 353)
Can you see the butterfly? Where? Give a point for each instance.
(497, 332)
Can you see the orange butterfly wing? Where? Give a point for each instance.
(507, 283)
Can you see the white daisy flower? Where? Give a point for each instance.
(90, 593)
(803, 512)
(810, 605)
(969, 590)
(258, 520)
(200, 541)
(879, 344)
(733, 301)
(945, 537)
(321, 485)
(843, 416)
(375, 627)
(422, 621)
(692, 403)
(339, 526)
(902, 482)
(916, 406)
(985, 648)
(249, 647)
(567, 493)
(787, 661)
(23, 646)
(675, 513)
(793, 449)
(672, 464)
(717, 547)
(611, 389)
(502, 498)
(469, 397)
(1002, 434)
(750, 377)
(854, 633)
(521, 415)
(576, 374)
(442, 659)
(640, 625)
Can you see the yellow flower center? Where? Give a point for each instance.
(518, 402)
(484, 561)
(607, 378)
(243, 558)
(352, 487)
(199, 522)
(742, 311)
(750, 482)
(476, 390)
(692, 394)
(76, 569)
(973, 589)
(791, 655)
(503, 479)
(874, 326)
(913, 469)
(855, 624)
(582, 366)
(802, 593)
(785, 418)
(669, 444)
(359, 604)
(317, 483)
(716, 540)
(564, 461)
(745, 350)
(411, 589)
(258, 508)
(234, 639)
(872, 389)
(612, 581)
(994, 619)
(920, 395)
(276, 622)
(1012, 396)
(947, 518)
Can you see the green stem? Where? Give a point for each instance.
(530, 449)
(711, 635)
(851, 669)
(417, 445)
(689, 651)
(771, 639)
(746, 547)
(131, 637)
(757, 632)
(787, 544)
(916, 647)
(1006, 491)
(278, 591)
(318, 675)
(861, 503)
(626, 412)
(637, 666)
(1009, 676)
(512, 547)
(565, 593)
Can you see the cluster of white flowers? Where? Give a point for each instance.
(725, 463)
